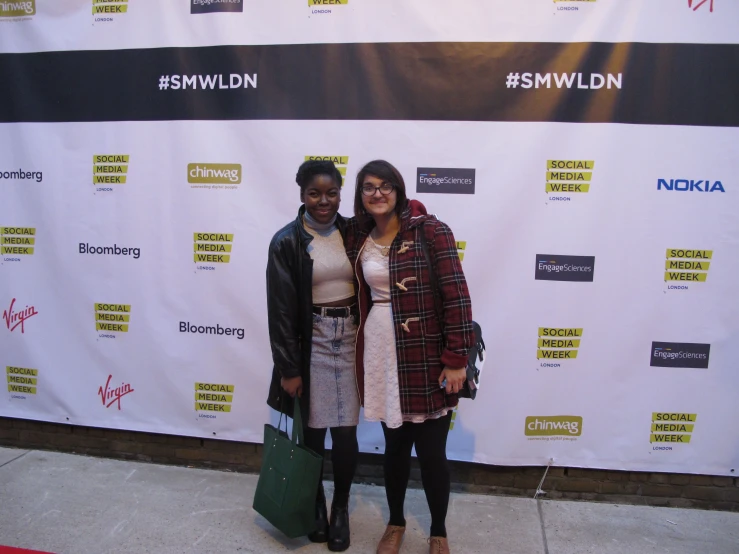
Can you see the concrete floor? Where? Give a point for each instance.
(64, 503)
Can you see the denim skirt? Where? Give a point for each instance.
(334, 396)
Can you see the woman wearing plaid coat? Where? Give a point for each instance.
(410, 366)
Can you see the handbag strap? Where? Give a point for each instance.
(298, 423)
(432, 278)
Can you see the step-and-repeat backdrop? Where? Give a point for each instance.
(583, 152)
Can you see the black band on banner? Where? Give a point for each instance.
(641, 83)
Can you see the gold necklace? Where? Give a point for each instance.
(384, 250)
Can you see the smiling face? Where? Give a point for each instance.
(378, 204)
(321, 196)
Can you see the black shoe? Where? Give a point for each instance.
(321, 532)
(338, 531)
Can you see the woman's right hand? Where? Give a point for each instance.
(293, 386)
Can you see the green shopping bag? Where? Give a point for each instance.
(288, 481)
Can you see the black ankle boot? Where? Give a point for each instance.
(321, 532)
(338, 531)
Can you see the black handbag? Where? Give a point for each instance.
(476, 354)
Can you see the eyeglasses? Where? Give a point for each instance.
(384, 188)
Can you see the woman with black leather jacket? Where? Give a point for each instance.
(312, 326)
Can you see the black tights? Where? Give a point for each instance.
(429, 438)
(344, 456)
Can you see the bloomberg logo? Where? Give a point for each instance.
(680, 354)
(690, 185)
(552, 267)
(445, 180)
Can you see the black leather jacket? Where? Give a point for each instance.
(290, 314)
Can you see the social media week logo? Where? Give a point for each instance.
(562, 427)
(341, 162)
(214, 176)
(445, 180)
(671, 428)
(16, 242)
(15, 9)
(109, 170)
(107, 10)
(212, 248)
(684, 266)
(213, 398)
(558, 344)
(461, 247)
(214, 6)
(680, 354)
(21, 381)
(553, 267)
(570, 6)
(111, 319)
(690, 185)
(322, 7)
(567, 177)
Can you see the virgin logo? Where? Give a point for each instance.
(699, 3)
(13, 319)
(111, 396)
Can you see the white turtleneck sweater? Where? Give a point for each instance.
(333, 278)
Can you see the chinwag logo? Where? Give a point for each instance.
(680, 354)
(317, 5)
(445, 180)
(109, 169)
(17, 9)
(213, 248)
(110, 396)
(568, 177)
(690, 185)
(687, 266)
(21, 380)
(112, 318)
(14, 319)
(212, 6)
(17, 241)
(213, 397)
(563, 427)
(341, 162)
(671, 427)
(558, 343)
(214, 176)
(553, 267)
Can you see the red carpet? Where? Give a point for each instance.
(11, 550)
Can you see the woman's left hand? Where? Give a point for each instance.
(454, 379)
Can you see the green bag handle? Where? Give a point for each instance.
(298, 422)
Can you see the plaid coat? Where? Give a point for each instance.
(422, 349)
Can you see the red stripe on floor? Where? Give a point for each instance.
(11, 550)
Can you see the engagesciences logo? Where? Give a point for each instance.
(212, 6)
(686, 266)
(671, 427)
(317, 6)
(680, 354)
(17, 8)
(109, 169)
(213, 397)
(112, 318)
(212, 248)
(445, 180)
(558, 343)
(17, 241)
(110, 396)
(562, 427)
(214, 176)
(21, 380)
(14, 318)
(695, 4)
(187, 327)
(553, 267)
(104, 10)
(341, 162)
(690, 185)
(565, 177)
(22, 175)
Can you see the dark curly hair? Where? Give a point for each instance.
(387, 172)
(310, 168)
